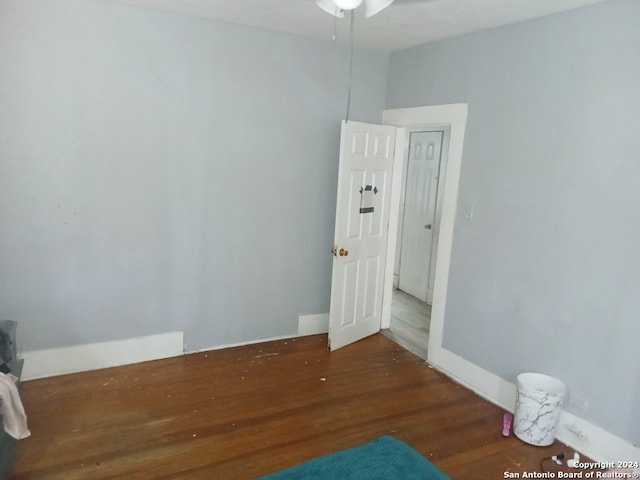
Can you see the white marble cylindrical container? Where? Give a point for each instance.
(538, 407)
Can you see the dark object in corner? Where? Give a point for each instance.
(6, 353)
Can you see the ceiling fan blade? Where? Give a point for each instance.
(330, 7)
(375, 6)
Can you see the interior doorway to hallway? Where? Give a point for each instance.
(417, 237)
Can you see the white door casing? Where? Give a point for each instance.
(361, 231)
(453, 116)
(419, 222)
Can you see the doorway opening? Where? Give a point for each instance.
(410, 323)
(419, 215)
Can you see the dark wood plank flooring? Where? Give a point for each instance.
(247, 411)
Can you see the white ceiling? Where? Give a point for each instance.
(406, 23)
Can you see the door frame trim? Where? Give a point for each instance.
(455, 117)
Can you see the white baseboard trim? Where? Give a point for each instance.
(243, 344)
(93, 356)
(582, 436)
(313, 324)
(593, 441)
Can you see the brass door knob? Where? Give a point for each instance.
(343, 252)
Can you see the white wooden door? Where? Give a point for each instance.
(362, 217)
(418, 226)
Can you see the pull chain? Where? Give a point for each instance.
(350, 65)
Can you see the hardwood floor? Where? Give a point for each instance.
(247, 411)
(410, 321)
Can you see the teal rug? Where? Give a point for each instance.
(384, 458)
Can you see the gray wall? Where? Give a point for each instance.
(546, 275)
(163, 173)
